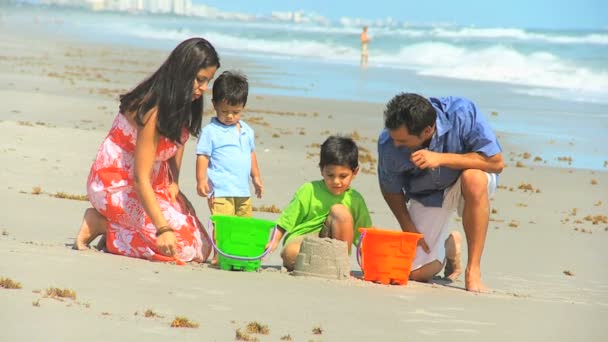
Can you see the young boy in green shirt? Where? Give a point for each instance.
(327, 207)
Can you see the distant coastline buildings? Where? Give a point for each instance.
(177, 7)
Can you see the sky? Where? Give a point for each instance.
(548, 14)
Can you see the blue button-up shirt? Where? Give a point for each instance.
(460, 128)
(229, 154)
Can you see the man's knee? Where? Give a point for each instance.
(426, 272)
(474, 184)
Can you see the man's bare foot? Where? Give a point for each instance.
(473, 282)
(453, 266)
(93, 225)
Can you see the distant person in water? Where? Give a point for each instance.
(365, 39)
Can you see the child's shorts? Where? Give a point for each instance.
(232, 206)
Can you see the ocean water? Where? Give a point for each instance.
(549, 88)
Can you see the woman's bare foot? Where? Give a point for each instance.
(473, 282)
(93, 225)
(453, 266)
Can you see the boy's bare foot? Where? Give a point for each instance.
(214, 260)
(93, 225)
(473, 282)
(453, 266)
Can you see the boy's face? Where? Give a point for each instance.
(228, 114)
(338, 177)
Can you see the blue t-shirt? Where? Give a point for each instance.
(460, 128)
(229, 155)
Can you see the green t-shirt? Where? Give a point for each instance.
(310, 206)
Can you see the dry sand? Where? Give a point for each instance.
(545, 258)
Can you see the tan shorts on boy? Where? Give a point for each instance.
(232, 206)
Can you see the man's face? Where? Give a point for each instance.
(402, 137)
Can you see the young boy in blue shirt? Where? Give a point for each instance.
(225, 151)
(327, 207)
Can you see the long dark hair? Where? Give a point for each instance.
(170, 88)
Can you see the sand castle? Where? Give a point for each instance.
(323, 257)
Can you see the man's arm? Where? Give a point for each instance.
(396, 201)
(424, 159)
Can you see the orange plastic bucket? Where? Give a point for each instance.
(386, 256)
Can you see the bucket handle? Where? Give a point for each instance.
(236, 257)
(359, 246)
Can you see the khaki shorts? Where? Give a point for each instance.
(232, 206)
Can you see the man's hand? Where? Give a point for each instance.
(424, 246)
(424, 159)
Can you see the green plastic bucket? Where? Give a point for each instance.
(241, 241)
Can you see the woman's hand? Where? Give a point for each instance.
(173, 191)
(166, 243)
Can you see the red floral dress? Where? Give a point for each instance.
(110, 189)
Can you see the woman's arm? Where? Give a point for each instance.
(145, 153)
(175, 163)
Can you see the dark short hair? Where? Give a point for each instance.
(410, 110)
(170, 90)
(339, 150)
(231, 87)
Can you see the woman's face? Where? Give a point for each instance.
(201, 81)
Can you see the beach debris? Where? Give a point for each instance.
(596, 219)
(59, 294)
(8, 283)
(513, 224)
(605, 163)
(594, 182)
(243, 336)
(64, 195)
(268, 209)
(36, 303)
(494, 113)
(275, 135)
(150, 313)
(538, 159)
(526, 155)
(36, 190)
(183, 322)
(523, 205)
(4, 232)
(317, 330)
(520, 164)
(257, 328)
(286, 338)
(105, 313)
(569, 273)
(566, 159)
(494, 211)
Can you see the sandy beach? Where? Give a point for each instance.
(544, 260)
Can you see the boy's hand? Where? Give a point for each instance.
(259, 187)
(275, 242)
(203, 188)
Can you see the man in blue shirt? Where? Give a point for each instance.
(437, 156)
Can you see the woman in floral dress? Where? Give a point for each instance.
(133, 183)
